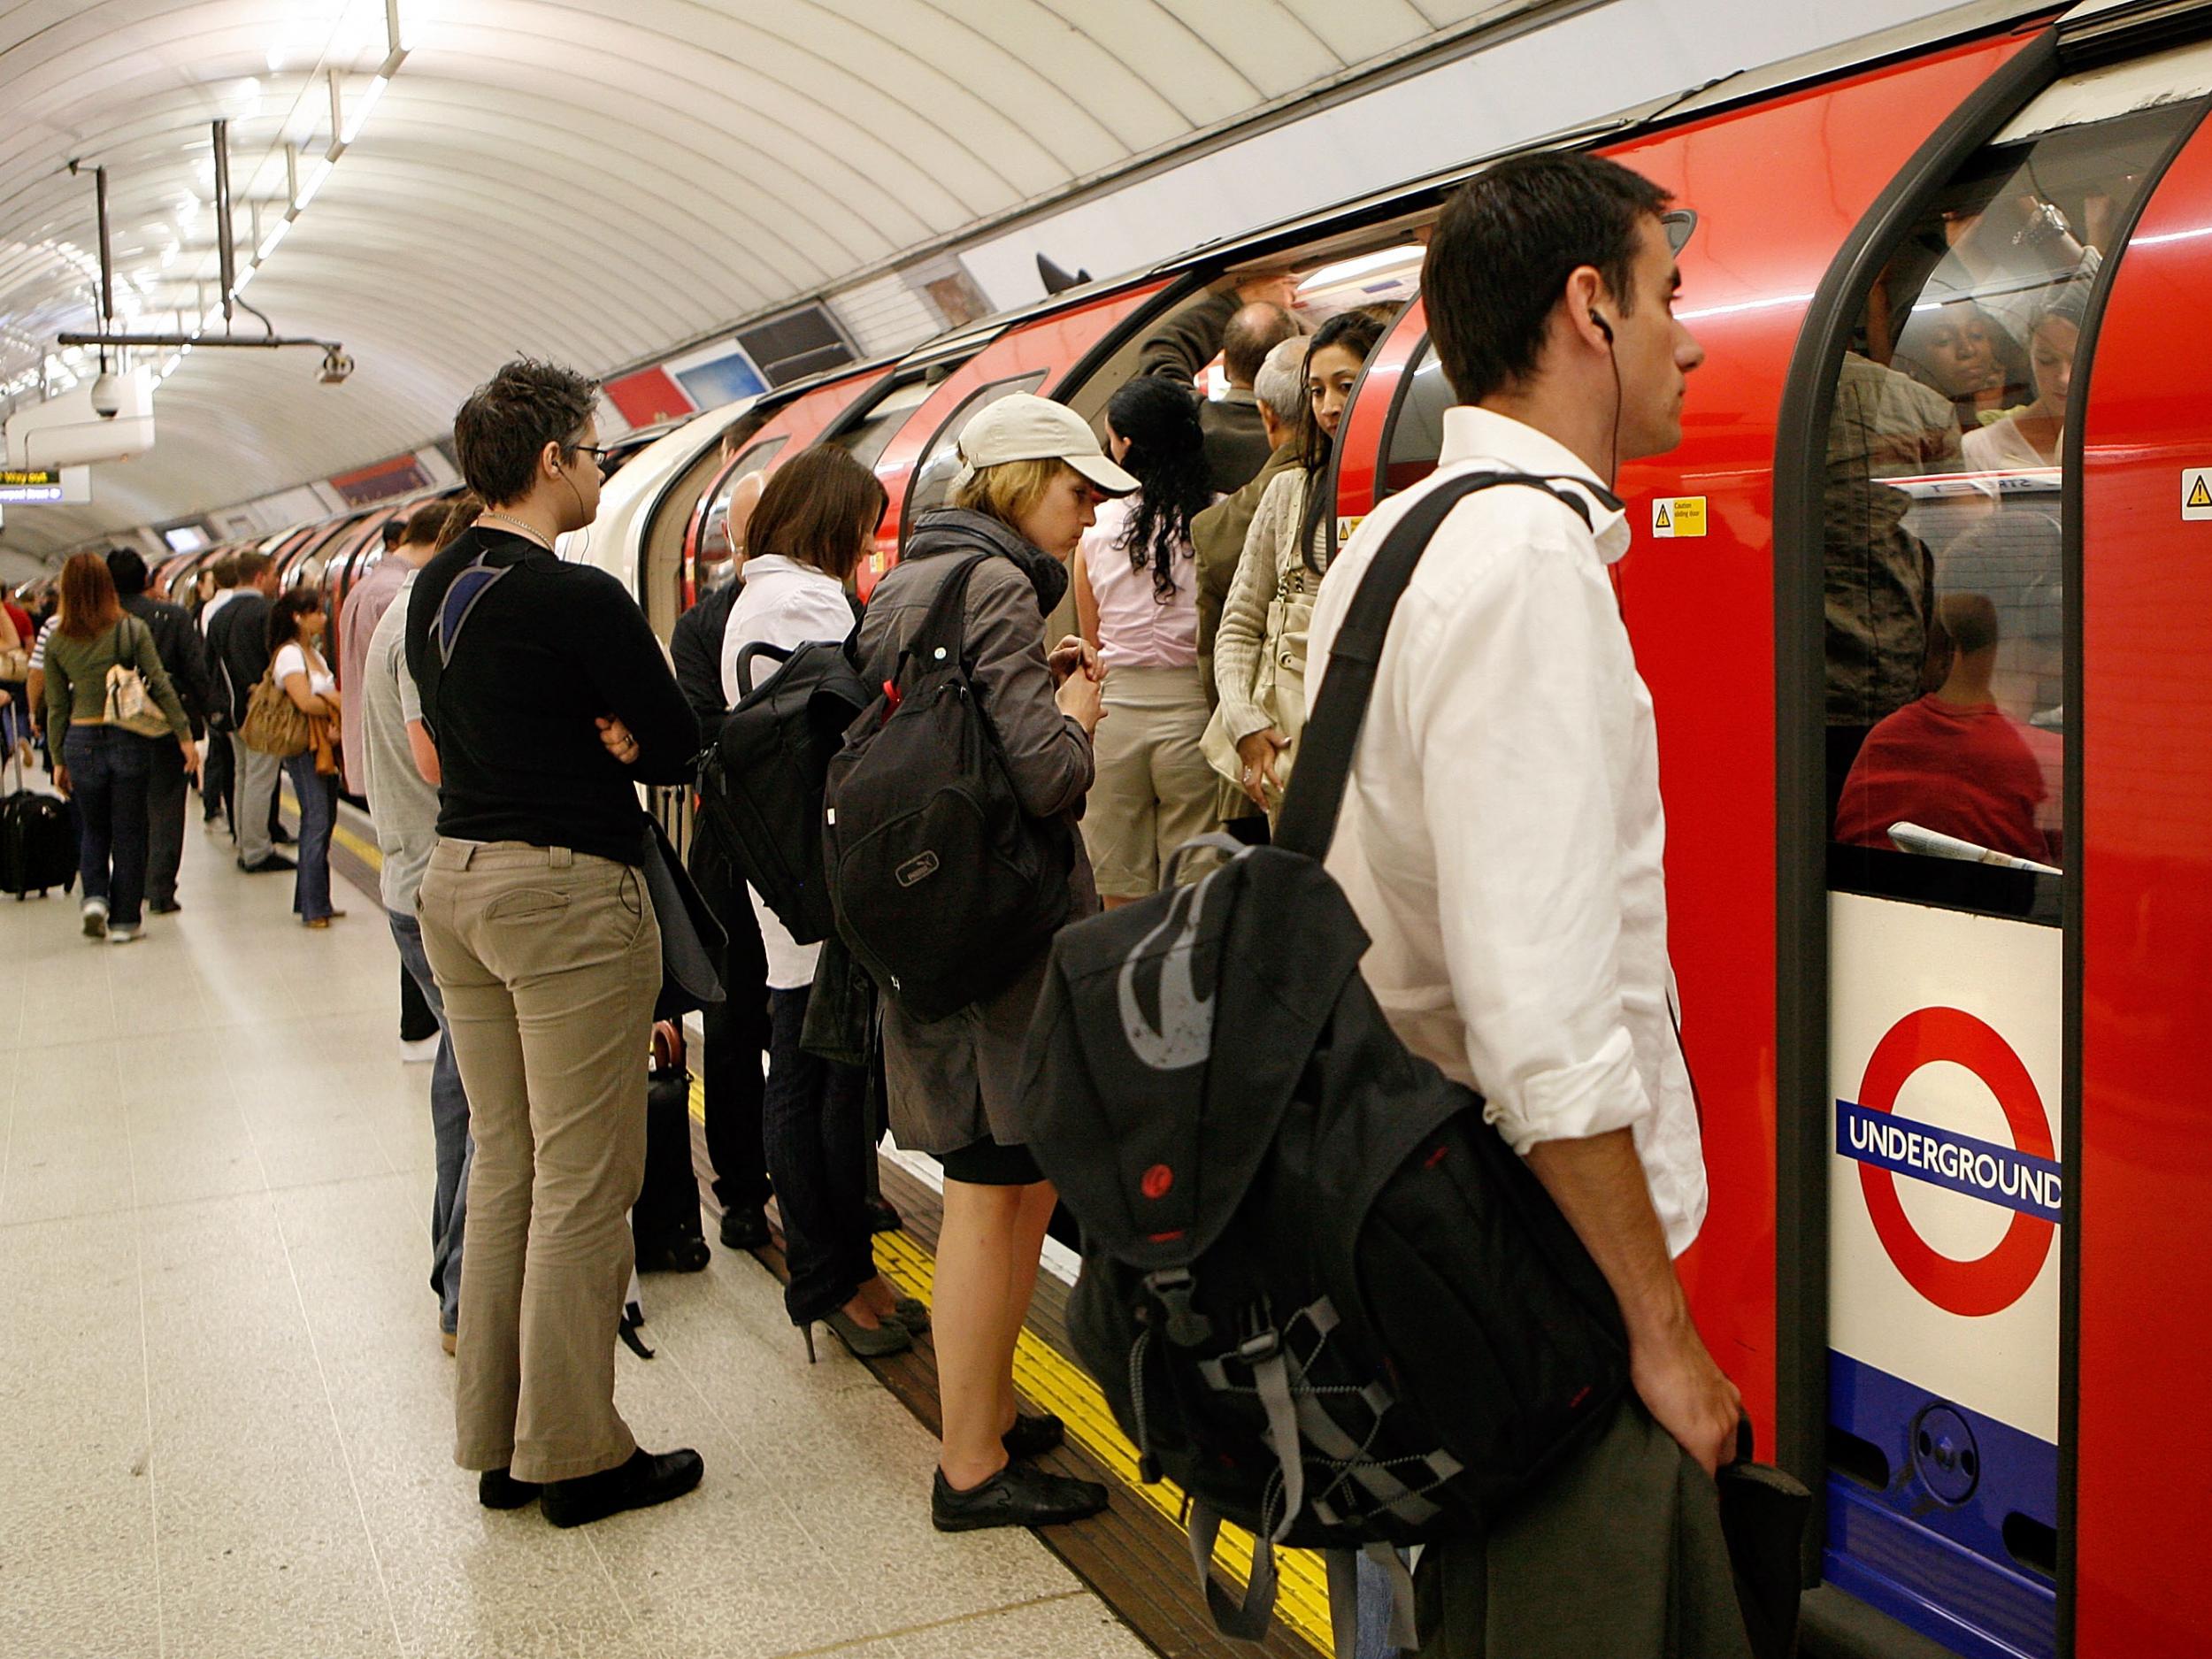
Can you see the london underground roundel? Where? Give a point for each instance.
(2023, 1177)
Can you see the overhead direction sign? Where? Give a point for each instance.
(44, 487)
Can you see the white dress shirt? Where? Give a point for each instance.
(786, 603)
(1502, 838)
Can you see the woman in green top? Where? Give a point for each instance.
(101, 765)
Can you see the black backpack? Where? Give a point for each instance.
(944, 887)
(761, 780)
(1320, 1293)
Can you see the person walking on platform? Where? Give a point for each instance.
(400, 777)
(539, 925)
(1033, 475)
(238, 645)
(99, 762)
(184, 655)
(298, 622)
(735, 1028)
(1501, 843)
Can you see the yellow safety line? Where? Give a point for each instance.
(1048, 1379)
(366, 852)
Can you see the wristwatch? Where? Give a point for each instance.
(2045, 229)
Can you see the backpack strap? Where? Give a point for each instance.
(942, 636)
(1308, 823)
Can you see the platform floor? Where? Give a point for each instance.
(226, 1421)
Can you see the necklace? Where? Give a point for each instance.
(528, 533)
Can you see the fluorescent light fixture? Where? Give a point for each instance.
(1361, 266)
(361, 110)
(269, 241)
(316, 174)
(214, 315)
(168, 255)
(276, 60)
(244, 277)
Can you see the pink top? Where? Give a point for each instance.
(364, 608)
(1135, 628)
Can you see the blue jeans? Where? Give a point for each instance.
(108, 770)
(310, 883)
(812, 1129)
(449, 1130)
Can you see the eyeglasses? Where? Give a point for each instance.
(595, 451)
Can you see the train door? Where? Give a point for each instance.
(1948, 744)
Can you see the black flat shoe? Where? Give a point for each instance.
(882, 1217)
(744, 1230)
(163, 907)
(1034, 1437)
(648, 1479)
(268, 864)
(496, 1489)
(1018, 1496)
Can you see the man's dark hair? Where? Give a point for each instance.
(507, 422)
(249, 567)
(1502, 252)
(424, 527)
(395, 530)
(129, 571)
(225, 565)
(1253, 331)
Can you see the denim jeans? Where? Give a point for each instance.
(108, 769)
(164, 820)
(448, 1131)
(812, 1123)
(310, 883)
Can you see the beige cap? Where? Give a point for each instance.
(1022, 426)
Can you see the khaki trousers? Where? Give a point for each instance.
(549, 961)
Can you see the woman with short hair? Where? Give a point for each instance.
(98, 762)
(1032, 477)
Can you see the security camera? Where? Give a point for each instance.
(107, 398)
(337, 367)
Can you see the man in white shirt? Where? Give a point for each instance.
(1501, 841)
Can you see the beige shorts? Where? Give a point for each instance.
(1154, 790)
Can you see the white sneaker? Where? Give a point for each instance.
(126, 935)
(421, 1051)
(95, 918)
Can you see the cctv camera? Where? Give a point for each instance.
(337, 367)
(107, 398)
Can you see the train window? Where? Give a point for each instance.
(932, 479)
(713, 535)
(867, 438)
(1943, 547)
(1416, 437)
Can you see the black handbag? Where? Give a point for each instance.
(692, 937)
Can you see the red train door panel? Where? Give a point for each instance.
(2143, 1561)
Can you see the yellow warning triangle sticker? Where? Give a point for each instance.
(1663, 521)
(2201, 496)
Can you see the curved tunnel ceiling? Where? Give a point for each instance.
(596, 182)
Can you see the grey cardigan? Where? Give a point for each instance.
(952, 1081)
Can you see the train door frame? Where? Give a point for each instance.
(1804, 992)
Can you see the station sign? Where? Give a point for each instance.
(45, 487)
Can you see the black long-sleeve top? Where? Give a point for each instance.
(547, 649)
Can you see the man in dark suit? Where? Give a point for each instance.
(238, 646)
(1243, 324)
(184, 660)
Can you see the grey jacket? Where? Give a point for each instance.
(954, 1080)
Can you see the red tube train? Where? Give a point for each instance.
(1932, 569)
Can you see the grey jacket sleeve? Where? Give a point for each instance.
(1048, 753)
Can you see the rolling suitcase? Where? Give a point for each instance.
(664, 1222)
(38, 845)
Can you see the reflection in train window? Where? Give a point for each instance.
(714, 543)
(932, 479)
(1416, 437)
(1943, 543)
(866, 439)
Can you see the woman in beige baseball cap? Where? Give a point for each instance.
(1032, 476)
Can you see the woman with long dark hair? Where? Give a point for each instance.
(1260, 652)
(1136, 599)
(99, 657)
(298, 622)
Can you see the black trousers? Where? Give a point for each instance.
(737, 1034)
(416, 1019)
(219, 777)
(165, 820)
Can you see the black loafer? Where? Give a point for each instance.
(496, 1489)
(268, 864)
(1034, 1437)
(1018, 1496)
(744, 1229)
(648, 1479)
(163, 907)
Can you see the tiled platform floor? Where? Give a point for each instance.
(225, 1417)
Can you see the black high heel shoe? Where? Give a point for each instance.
(891, 1337)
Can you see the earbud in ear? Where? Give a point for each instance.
(1602, 326)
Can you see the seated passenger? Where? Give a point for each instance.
(1956, 349)
(1242, 324)
(1954, 761)
(1136, 592)
(815, 520)
(2034, 435)
(1260, 650)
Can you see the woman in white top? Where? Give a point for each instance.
(1136, 599)
(298, 622)
(2021, 440)
(816, 518)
